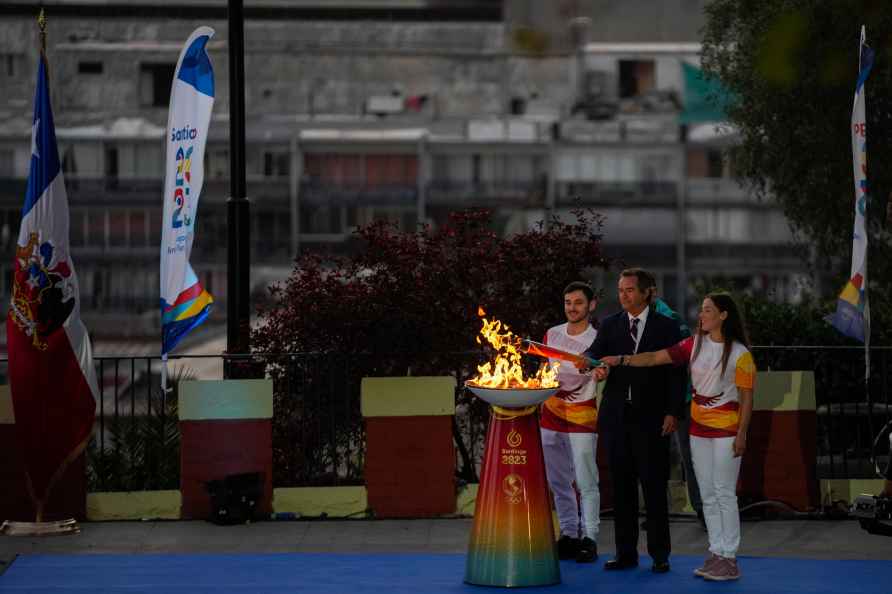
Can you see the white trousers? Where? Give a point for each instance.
(569, 458)
(717, 469)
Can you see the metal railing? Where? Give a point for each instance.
(319, 436)
(529, 193)
(358, 194)
(644, 192)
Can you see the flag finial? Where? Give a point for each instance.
(41, 24)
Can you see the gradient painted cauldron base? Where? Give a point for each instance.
(512, 538)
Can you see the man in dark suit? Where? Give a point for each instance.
(638, 413)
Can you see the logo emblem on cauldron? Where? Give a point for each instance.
(512, 486)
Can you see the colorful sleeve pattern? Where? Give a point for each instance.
(745, 373)
(681, 352)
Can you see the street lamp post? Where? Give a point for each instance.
(238, 314)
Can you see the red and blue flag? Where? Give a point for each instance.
(51, 373)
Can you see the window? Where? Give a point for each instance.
(7, 276)
(111, 166)
(7, 163)
(697, 163)
(155, 228)
(726, 225)
(706, 162)
(96, 227)
(117, 230)
(276, 164)
(264, 231)
(566, 168)
(138, 228)
(715, 163)
(217, 163)
(149, 161)
(155, 81)
(452, 169)
(391, 170)
(10, 221)
(89, 67)
(320, 219)
(334, 169)
(636, 77)
(8, 65)
(522, 168)
(210, 225)
(81, 158)
(77, 228)
(658, 168)
(69, 165)
(283, 227)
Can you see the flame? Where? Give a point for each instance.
(505, 371)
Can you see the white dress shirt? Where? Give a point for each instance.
(642, 320)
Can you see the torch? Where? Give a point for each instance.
(531, 347)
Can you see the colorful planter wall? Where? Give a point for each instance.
(410, 457)
(225, 429)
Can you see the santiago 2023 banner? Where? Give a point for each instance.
(184, 302)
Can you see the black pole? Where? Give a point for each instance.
(238, 305)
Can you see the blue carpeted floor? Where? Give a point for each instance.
(407, 573)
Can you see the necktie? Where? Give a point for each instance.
(633, 330)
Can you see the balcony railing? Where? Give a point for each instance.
(143, 191)
(713, 190)
(314, 193)
(498, 192)
(655, 129)
(643, 192)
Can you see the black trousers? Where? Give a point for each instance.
(636, 452)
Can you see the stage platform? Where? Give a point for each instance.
(406, 574)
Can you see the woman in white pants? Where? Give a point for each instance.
(723, 375)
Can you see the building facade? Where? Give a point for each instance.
(404, 110)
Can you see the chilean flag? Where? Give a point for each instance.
(51, 373)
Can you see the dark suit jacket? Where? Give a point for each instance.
(656, 391)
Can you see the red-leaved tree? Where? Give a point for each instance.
(405, 303)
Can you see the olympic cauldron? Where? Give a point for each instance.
(512, 538)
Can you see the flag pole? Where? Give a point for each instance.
(164, 373)
(41, 24)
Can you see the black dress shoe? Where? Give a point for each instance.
(660, 567)
(617, 564)
(587, 551)
(567, 547)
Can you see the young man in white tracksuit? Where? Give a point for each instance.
(568, 422)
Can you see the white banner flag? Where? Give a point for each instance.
(184, 303)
